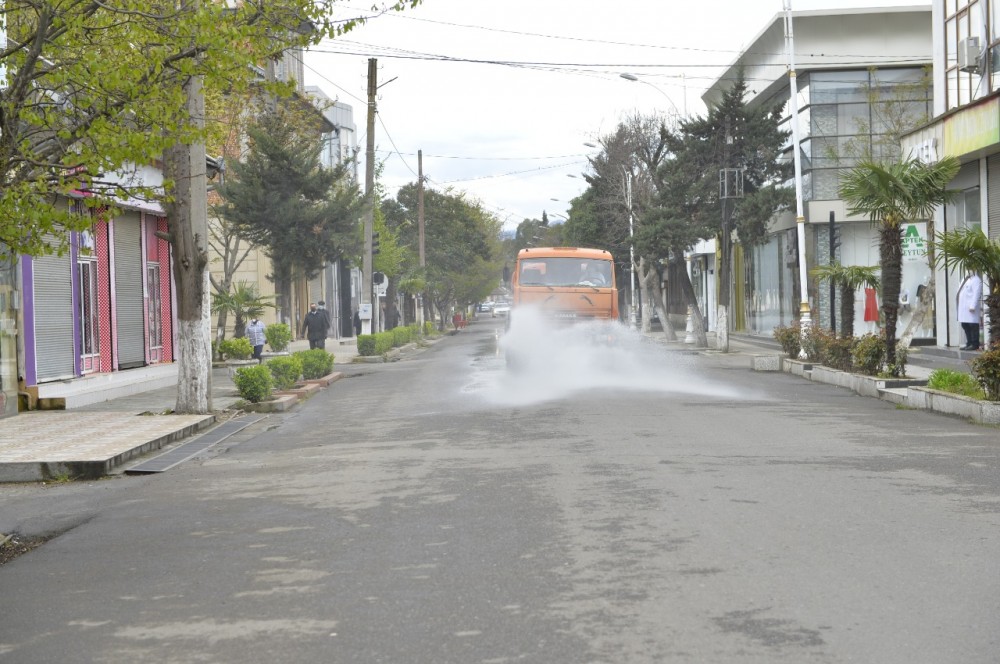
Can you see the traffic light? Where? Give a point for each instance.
(374, 245)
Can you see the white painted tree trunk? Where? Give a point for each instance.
(722, 329)
(193, 356)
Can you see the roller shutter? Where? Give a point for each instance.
(55, 355)
(993, 195)
(128, 292)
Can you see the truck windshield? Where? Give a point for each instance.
(562, 272)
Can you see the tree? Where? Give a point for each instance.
(244, 302)
(890, 194)
(970, 250)
(281, 198)
(462, 247)
(94, 89)
(849, 278)
(733, 135)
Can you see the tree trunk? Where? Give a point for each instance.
(391, 310)
(187, 215)
(691, 302)
(661, 309)
(891, 260)
(646, 324)
(993, 310)
(725, 277)
(846, 312)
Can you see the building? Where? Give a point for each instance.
(966, 125)
(861, 73)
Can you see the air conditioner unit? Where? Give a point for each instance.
(969, 55)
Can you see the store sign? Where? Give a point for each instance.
(914, 242)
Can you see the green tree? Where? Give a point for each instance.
(970, 250)
(733, 135)
(849, 278)
(281, 198)
(95, 89)
(890, 194)
(244, 302)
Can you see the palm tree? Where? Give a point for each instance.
(850, 278)
(890, 195)
(971, 250)
(244, 303)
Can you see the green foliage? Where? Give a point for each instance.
(236, 349)
(870, 357)
(986, 370)
(244, 302)
(838, 353)
(383, 342)
(429, 329)
(401, 336)
(254, 383)
(366, 345)
(955, 382)
(97, 87)
(278, 336)
(285, 371)
(316, 363)
(789, 337)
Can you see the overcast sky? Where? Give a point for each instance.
(501, 95)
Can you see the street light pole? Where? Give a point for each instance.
(631, 248)
(805, 320)
(632, 77)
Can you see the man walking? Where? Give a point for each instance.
(970, 309)
(315, 326)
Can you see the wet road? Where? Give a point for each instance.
(624, 505)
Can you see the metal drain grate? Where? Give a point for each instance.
(183, 452)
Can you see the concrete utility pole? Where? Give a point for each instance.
(805, 315)
(369, 326)
(420, 223)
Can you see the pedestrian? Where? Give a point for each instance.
(255, 334)
(315, 326)
(970, 309)
(357, 323)
(322, 308)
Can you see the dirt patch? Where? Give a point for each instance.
(12, 546)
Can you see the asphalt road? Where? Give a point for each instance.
(623, 504)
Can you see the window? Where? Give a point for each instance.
(154, 314)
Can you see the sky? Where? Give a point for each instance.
(502, 96)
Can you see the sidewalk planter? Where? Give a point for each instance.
(277, 404)
(303, 391)
(766, 362)
(326, 380)
(983, 412)
(866, 386)
(235, 365)
(796, 367)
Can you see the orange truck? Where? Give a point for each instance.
(566, 284)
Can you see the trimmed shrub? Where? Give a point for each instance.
(254, 383)
(236, 349)
(429, 329)
(838, 353)
(383, 342)
(986, 370)
(285, 371)
(869, 357)
(366, 345)
(789, 337)
(400, 336)
(955, 382)
(278, 336)
(316, 363)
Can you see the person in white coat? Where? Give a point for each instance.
(970, 309)
(255, 334)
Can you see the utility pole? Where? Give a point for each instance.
(367, 292)
(805, 315)
(420, 224)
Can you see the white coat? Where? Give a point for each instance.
(970, 300)
(255, 333)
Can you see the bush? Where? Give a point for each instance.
(316, 363)
(429, 329)
(254, 383)
(986, 370)
(869, 357)
(837, 354)
(366, 345)
(278, 336)
(285, 371)
(383, 342)
(400, 336)
(955, 382)
(235, 349)
(790, 339)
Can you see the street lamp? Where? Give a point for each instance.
(631, 247)
(632, 77)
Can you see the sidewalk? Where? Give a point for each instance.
(90, 441)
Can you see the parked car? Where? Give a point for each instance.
(501, 309)
(485, 306)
